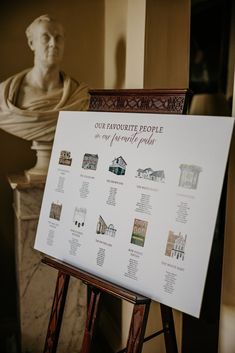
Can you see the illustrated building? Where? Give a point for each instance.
(189, 176)
(118, 166)
(150, 174)
(90, 161)
(102, 228)
(65, 158)
(158, 175)
(139, 232)
(144, 173)
(55, 211)
(111, 230)
(79, 216)
(176, 245)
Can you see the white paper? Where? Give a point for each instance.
(133, 198)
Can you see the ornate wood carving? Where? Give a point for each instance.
(141, 101)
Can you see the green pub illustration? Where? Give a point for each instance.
(139, 232)
(118, 166)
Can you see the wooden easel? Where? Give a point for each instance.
(161, 101)
(99, 286)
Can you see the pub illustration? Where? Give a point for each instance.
(189, 176)
(175, 246)
(103, 228)
(139, 232)
(79, 216)
(90, 161)
(118, 166)
(55, 210)
(65, 158)
(150, 174)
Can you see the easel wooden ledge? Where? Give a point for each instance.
(97, 287)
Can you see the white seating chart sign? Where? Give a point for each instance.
(133, 199)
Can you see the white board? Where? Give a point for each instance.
(133, 198)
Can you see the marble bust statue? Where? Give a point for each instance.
(30, 100)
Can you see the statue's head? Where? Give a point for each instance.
(46, 39)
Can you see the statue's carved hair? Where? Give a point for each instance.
(38, 20)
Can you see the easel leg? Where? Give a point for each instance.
(57, 310)
(137, 328)
(169, 329)
(91, 321)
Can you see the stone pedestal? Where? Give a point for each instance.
(36, 281)
(43, 153)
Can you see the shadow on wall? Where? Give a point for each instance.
(16, 156)
(120, 60)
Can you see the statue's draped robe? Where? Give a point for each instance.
(37, 121)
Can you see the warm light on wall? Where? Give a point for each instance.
(209, 104)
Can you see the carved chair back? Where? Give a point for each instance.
(161, 101)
